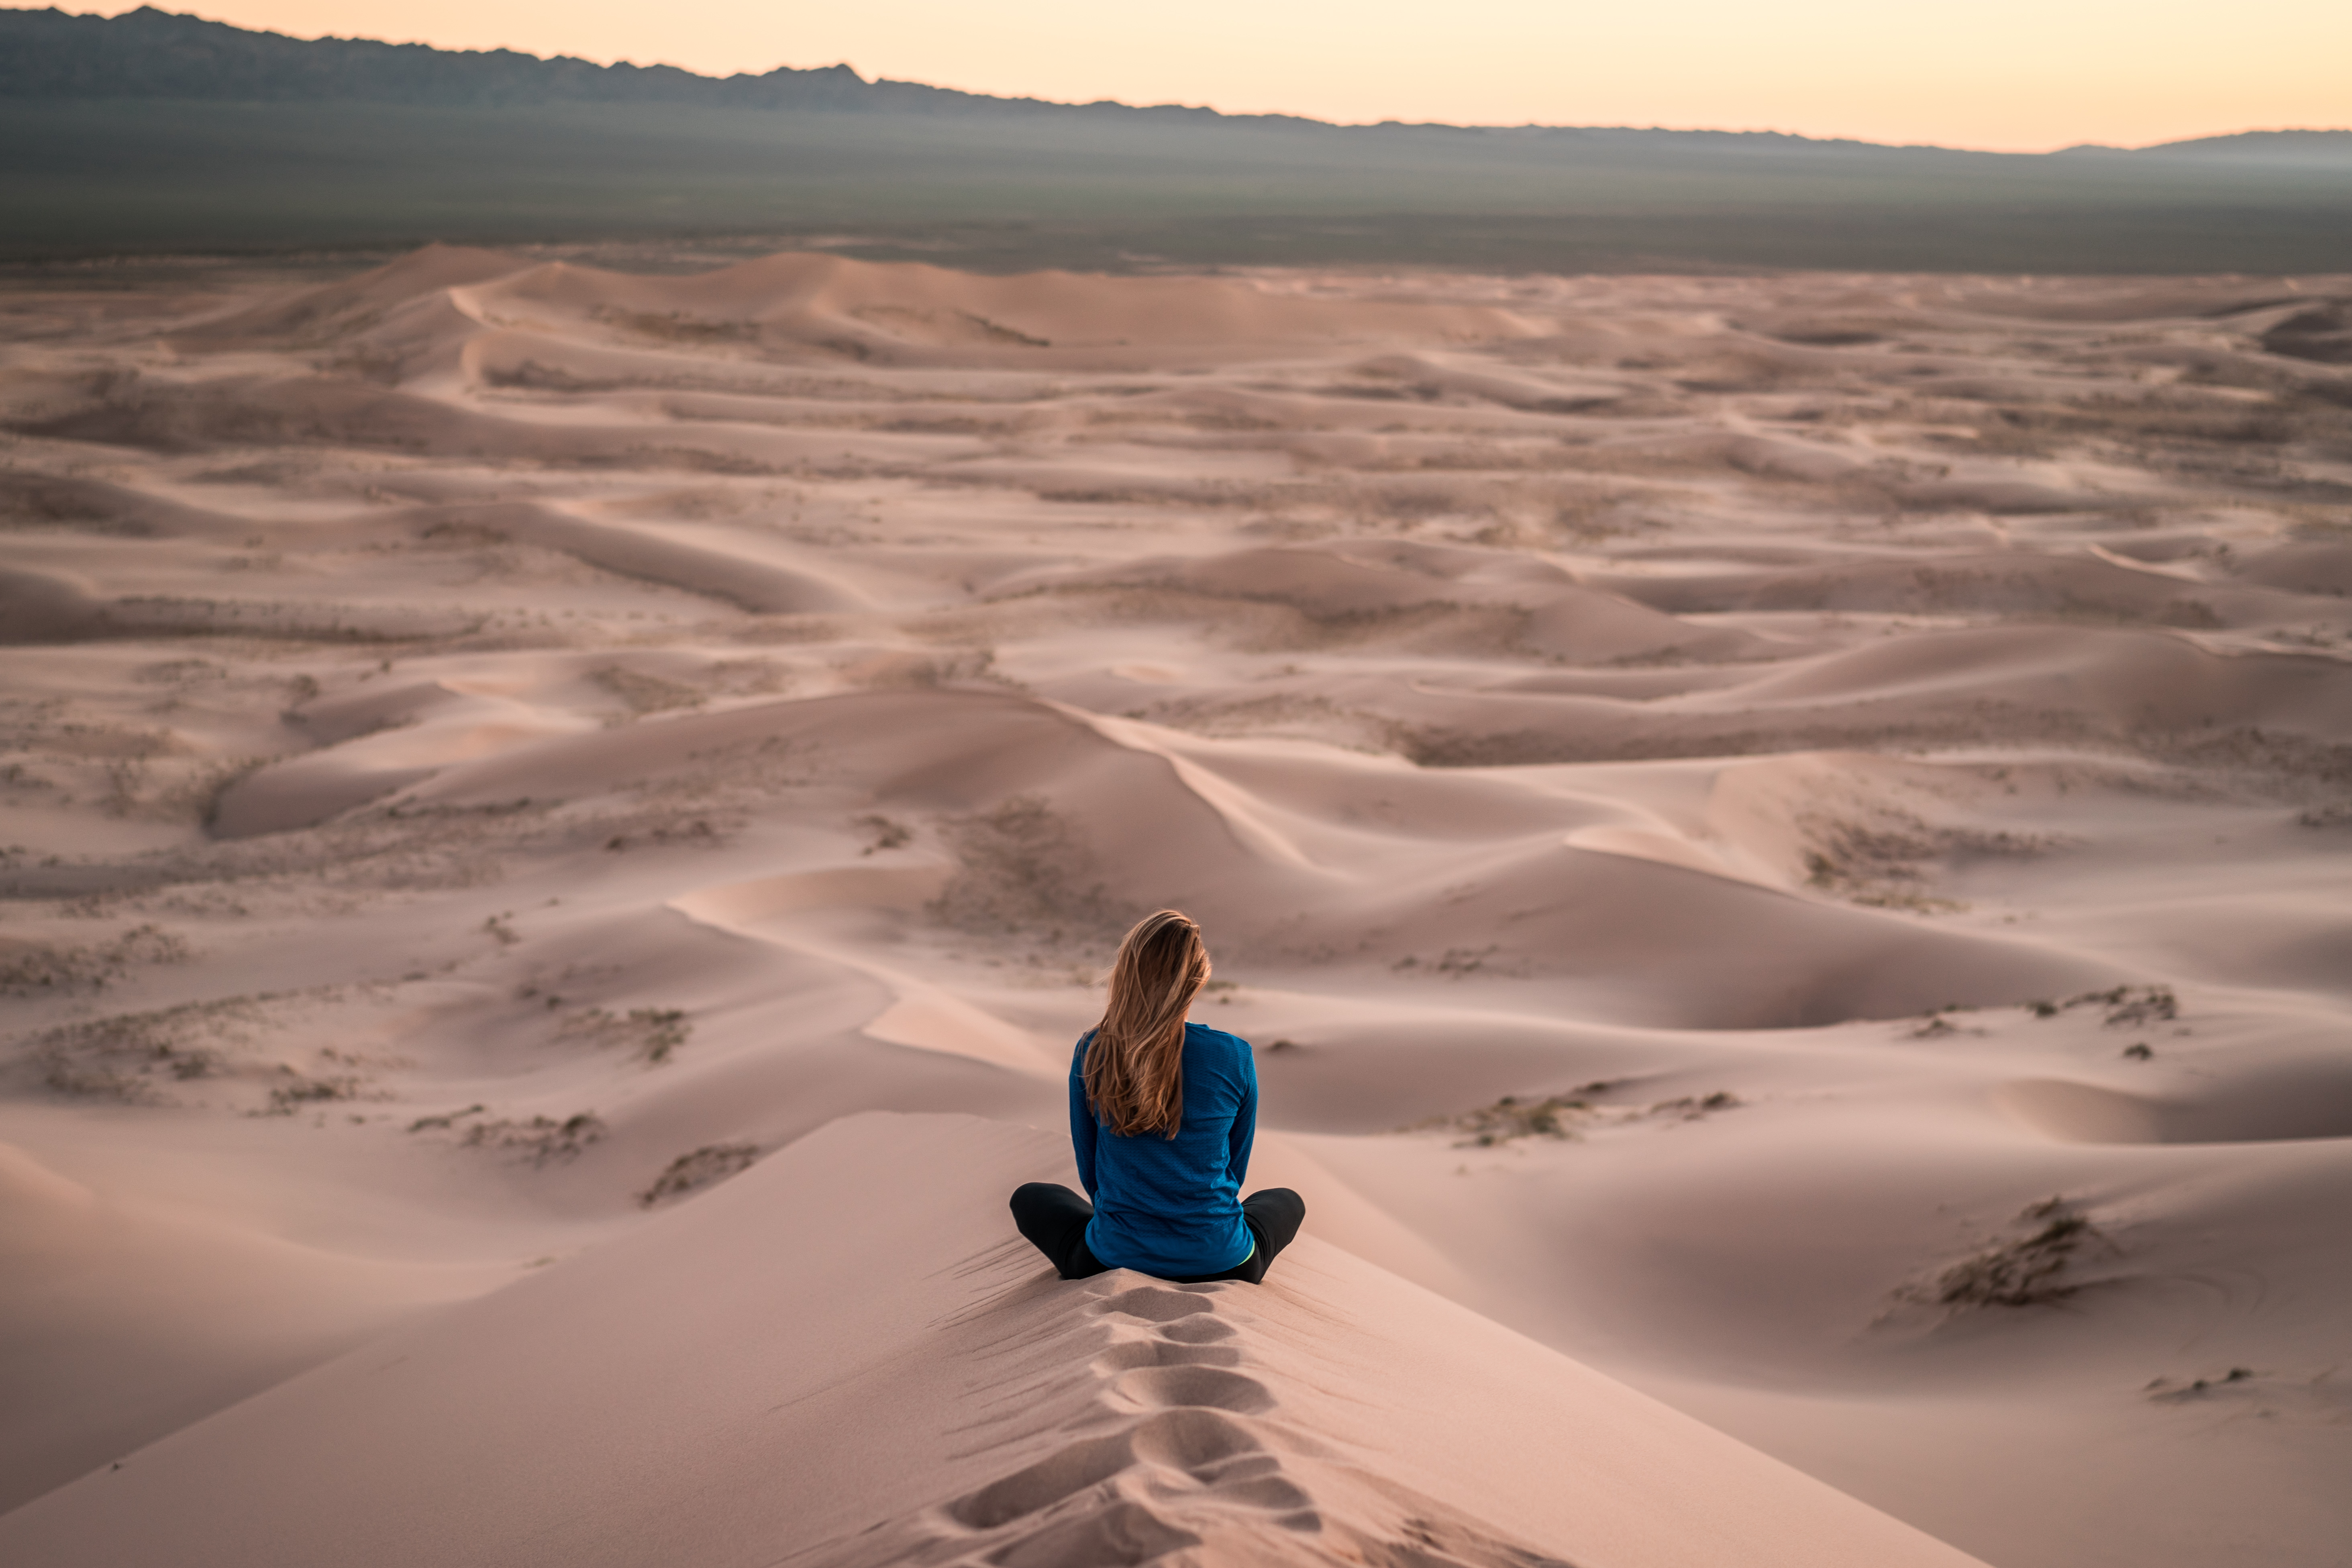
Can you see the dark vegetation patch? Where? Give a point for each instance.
(1023, 872)
(2165, 1391)
(1512, 1118)
(653, 1032)
(2122, 1006)
(1459, 746)
(405, 845)
(646, 693)
(300, 1090)
(1269, 623)
(1454, 964)
(705, 1166)
(40, 500)
(1293, 714)
(2251, 750)
(675, 326)
(1828, 337)
(1936, 1024)
(1887, 863)
(32, 969)
(2138, 425)
(2033, 1266)
(538, 1140)
(2289, 765)
(1562, 1116)
(696, 831)
(1695, 1107)
(130, 1057)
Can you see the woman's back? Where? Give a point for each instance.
(1171, 1206)
(1162, 1114)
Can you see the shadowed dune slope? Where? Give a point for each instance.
(1123, 819)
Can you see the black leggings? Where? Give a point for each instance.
(1054, 1219)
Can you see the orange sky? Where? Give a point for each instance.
(2022, 75)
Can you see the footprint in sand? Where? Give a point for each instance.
(1179, 1468)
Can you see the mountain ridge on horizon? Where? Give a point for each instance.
(152, 53)
(155, 133)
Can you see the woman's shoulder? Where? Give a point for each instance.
(1201, 1038)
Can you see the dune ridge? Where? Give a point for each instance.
(1782, 838)
(945, 1399)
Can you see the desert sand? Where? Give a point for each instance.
(1782, 843)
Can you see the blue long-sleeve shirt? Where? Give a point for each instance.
(1171, 1207)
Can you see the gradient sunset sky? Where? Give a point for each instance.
(2010, 75)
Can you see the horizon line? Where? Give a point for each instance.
(1193, 108)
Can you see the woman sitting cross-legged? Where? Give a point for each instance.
(1162, 1112)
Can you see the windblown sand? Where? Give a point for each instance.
(1782, 843)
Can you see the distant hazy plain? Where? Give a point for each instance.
(95, 177)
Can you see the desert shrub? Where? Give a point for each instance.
(653, 1032)
(540, 1140)
(1024, 872)
(1561, 1116)
(1511, 1117)
(705, 1166)
(299, 1089)
(2027, 1270)
(33, 969)
(1693, 1106)
(121, 1056)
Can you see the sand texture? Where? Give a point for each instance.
(759, 1381)
(1782, 844)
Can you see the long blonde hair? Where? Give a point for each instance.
(1134, 1064)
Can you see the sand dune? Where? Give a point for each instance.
(943, 1398)
(1784, 840)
